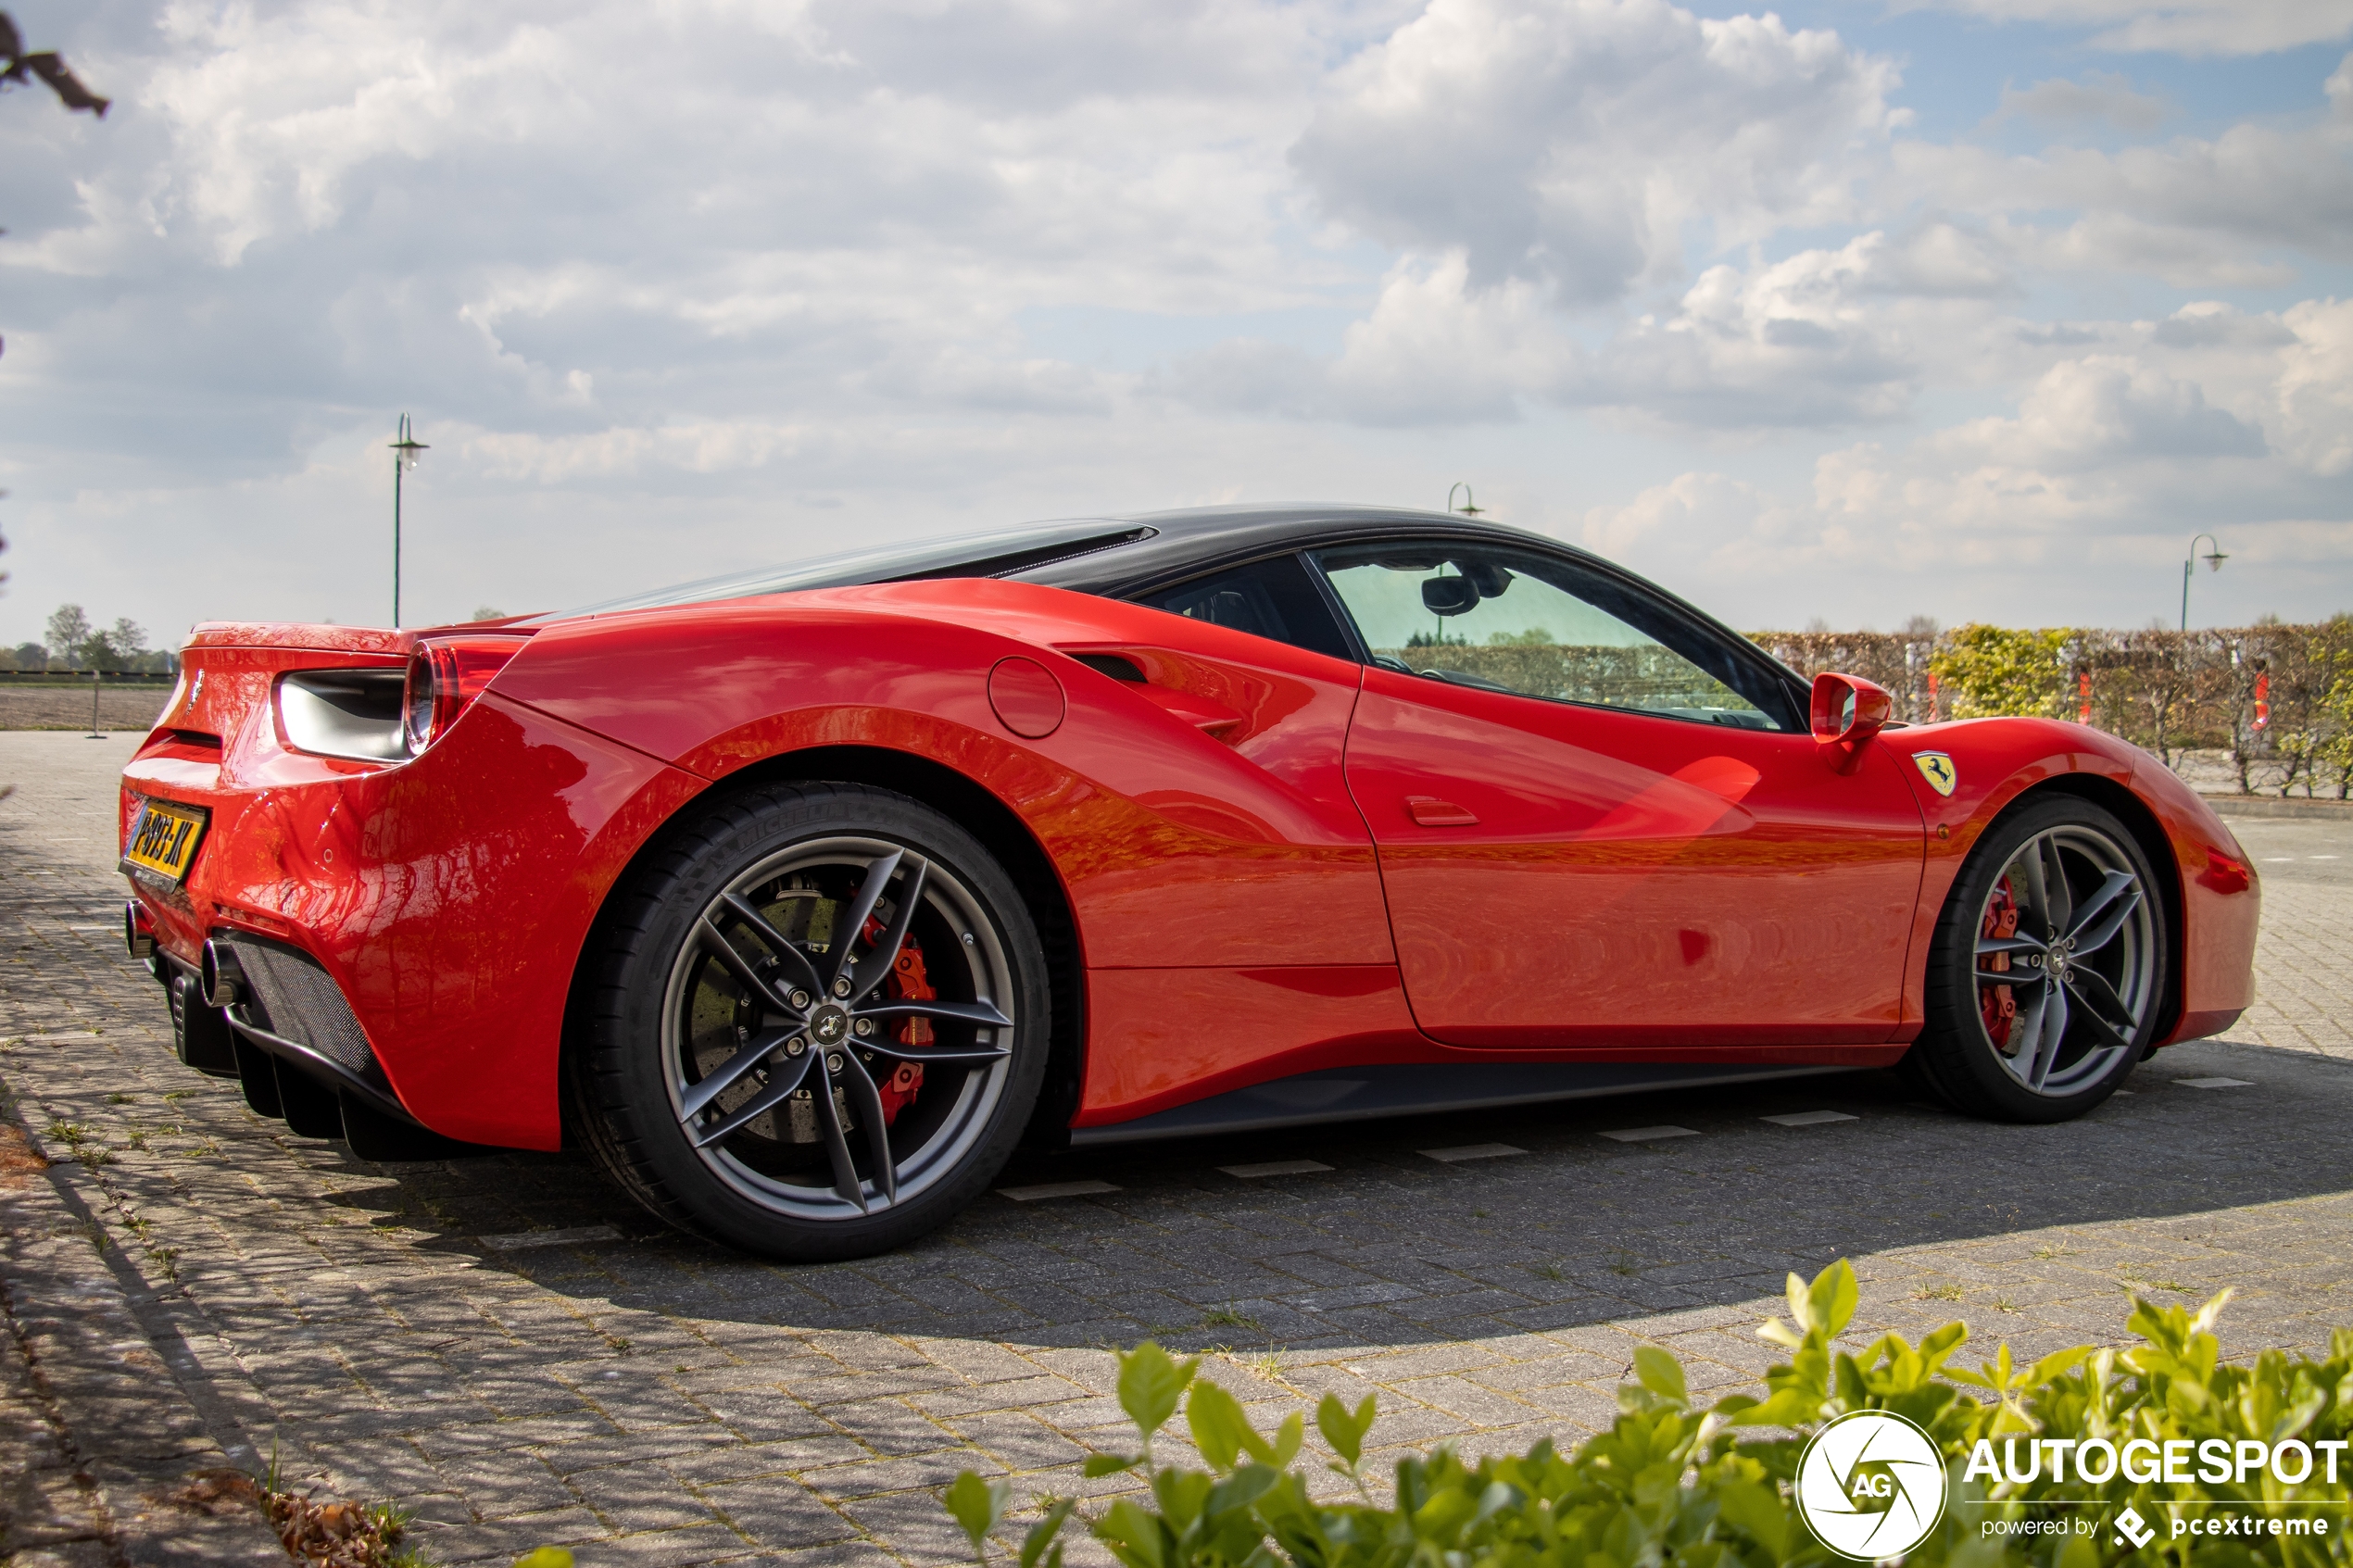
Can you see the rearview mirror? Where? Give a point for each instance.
(1847, 712)
(1449, 596)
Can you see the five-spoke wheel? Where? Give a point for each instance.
(2050, 957)
(827, 1028)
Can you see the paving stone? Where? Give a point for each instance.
(530, 1395)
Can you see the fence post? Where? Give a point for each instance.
(96, 677)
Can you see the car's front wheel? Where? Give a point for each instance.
(2049, 963)
(816, 1023)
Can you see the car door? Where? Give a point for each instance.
(1603, 823)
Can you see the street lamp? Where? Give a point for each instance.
(403, 457)
(2213, 558)
(1468, 509)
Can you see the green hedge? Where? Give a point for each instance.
(1674, 1482)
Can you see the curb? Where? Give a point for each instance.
(2276, 806)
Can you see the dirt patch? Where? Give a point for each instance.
(20, 1161)
(67, 707)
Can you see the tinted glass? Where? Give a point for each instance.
(967, 554)
(1515, 621)
(1269, 598)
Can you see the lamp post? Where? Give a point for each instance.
(403, 457)
(1468, 507)
(2214, 560)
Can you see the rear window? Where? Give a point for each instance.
(969, 555)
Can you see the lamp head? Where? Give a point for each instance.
(2214, 560)
(405, 449)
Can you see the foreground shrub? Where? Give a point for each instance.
(1672, 1484)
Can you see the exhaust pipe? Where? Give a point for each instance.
(220, 977)
(138, 931)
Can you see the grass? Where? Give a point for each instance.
(2004, 1304)
(1937, 1293)
(2053, 1251)
(1231, 1317)
(1548, 1271)
(119, 1099)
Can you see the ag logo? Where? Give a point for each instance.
(1937, 768)
(1871, 1485)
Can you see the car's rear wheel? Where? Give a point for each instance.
(816, 1024)
(2049, 963)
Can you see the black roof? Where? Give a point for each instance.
(1182, 543)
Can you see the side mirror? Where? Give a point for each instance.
(1847, 712)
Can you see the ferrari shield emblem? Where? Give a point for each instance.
(1937, 768)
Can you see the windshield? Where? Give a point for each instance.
(967, 554)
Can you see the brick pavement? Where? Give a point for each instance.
(505, 1347)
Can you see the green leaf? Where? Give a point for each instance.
(1040, 1534)
(1150, 1383)
(1832, 1298)
(1240, 1490)
(1791, 1407)
(1134, 1536)
(1109, 1464)
(1801, 1305)
(1660, 1373)
(1288, 1437)
(978, 1505)
(1220, 1429)
(1758, 1511)
(2056, 1364)
(546, 1557)
(1343, 1429)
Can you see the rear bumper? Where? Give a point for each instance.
(411, 931)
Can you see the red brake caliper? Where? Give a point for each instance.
(1996, 1002)
(908, 983)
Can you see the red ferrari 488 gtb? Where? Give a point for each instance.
(801, 897)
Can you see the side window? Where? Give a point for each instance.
(1268, 598)
(1513, 620)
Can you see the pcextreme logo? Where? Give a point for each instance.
(1871, 1485)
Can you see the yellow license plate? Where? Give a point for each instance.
(165, 838)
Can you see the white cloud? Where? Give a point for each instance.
(677, 288)
(2099, 96)
(2195, 212)
(1577, 143)
(2181, 27)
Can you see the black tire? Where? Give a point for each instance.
(2102, 1007)
(668, 1013)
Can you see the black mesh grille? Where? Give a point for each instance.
(293, 996)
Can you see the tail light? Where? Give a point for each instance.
(444, 675)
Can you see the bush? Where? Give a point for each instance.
(1995, 669)
(1672, 1484)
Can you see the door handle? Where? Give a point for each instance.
(1431, 812)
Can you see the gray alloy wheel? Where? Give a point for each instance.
(814, 1024)
(2065, 960)
(790, 1036)
(2049, 966)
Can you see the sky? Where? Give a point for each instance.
(1842, 311)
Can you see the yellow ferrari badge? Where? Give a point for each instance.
(1937, 768)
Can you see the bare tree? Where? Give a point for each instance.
(18, 68)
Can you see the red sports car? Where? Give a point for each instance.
(801, 897)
